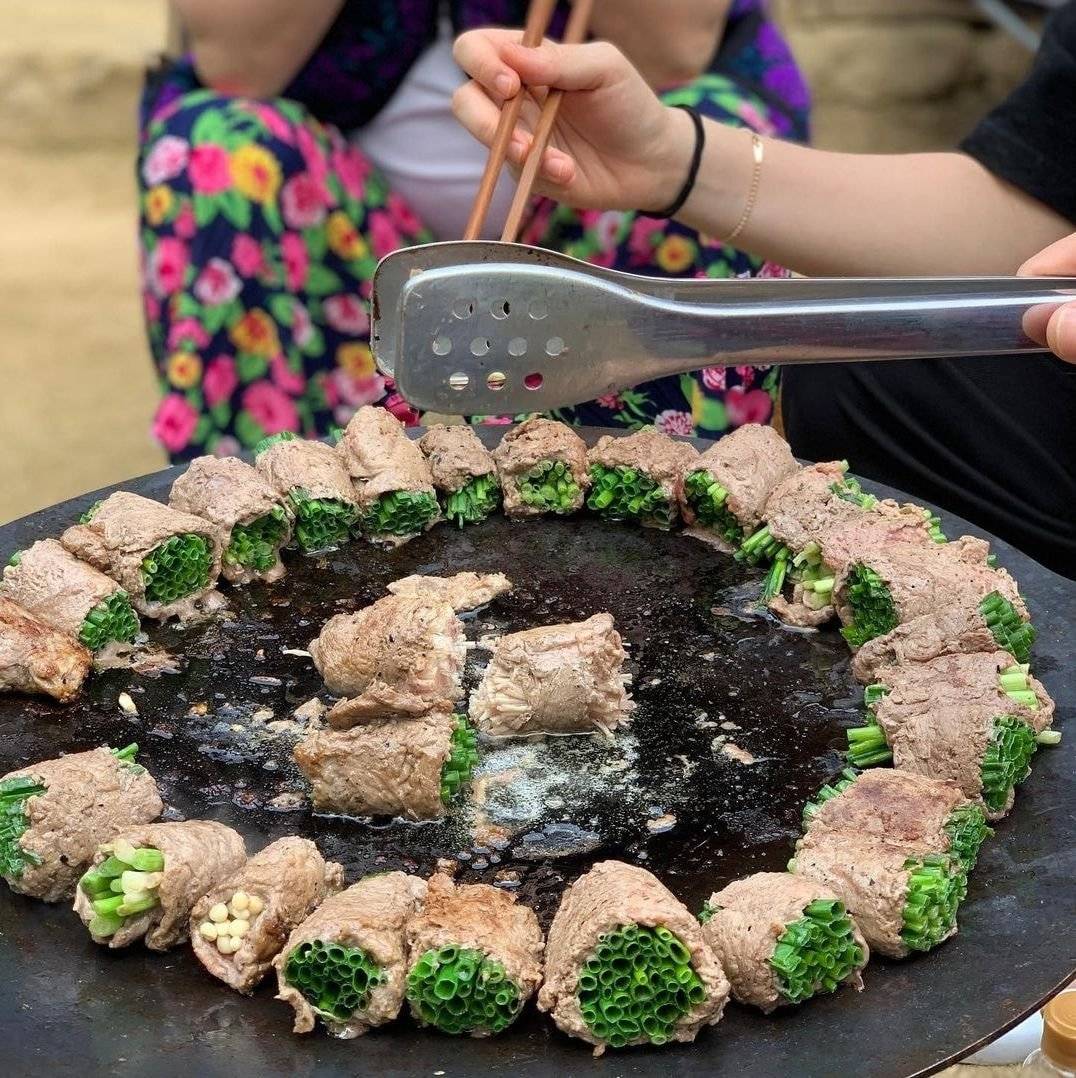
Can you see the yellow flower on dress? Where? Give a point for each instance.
(356, 359)
(256, 173)
(344, 238)
(159, 203)
(675, 253)
(256, 332)
(184, 369)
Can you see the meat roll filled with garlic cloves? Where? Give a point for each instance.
(463, 591)
(70, 595)
(167, 561)
(627, 964)
(36, 658)
(55, 813)
(463, 473)
(474, 958)
(782, 939)
(238, 927)
(542, 466)
(251, 515)
(145, 881)
(346, 964)
(558, 679)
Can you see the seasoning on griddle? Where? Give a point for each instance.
(627, 964)
(55, 813)
(474, 957)
(36, 658)
(463, 473)
(166, 561)
(249, 512)
(556, 679)
(463, 591)
(542, 465)
(782, 939)
(347, 962)
(239, 926)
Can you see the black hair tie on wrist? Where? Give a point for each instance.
(692, 172)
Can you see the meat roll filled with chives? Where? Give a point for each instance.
(36, 658)
(557, 679)
(315, 487)
(635, 478)
(971, 719)
(240, 925)
(901, 901)
(410, 767)
(393, 483)
(70, 595)
(463, 472)
(782, 939)
(166, 561)
(627, 964)
(463, 591)
(474, 958)
(921, 814)
(346, 964)
(542, 467)
(55, 813)
(251, 515)
(145, 881)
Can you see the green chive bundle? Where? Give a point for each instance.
(177, 568)
(967, 831)
(123, 885)
(400, 512)
(320, 523)
(254, 546)
(549, 487)
(112, 619)
(1015, 682)
(873, 612)
(335, 980)
(638, 984)
(474, 501)
(14, 822)
(817, 952)
(1011, 632)
(461, 990)
(867, 744)
(1007, 760)
(936, 887)
(761, 546)
(91, 512)
(827, 793)
(623, 493)
(707, 500)
(456, 772)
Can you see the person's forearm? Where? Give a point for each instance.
(253, 47)
(822, 213)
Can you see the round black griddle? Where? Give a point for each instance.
(712, 677)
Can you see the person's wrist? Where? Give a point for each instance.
(670, 160)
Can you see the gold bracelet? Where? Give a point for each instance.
(758, 151)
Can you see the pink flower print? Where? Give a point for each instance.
(247, 255)
(313, 154)
(302, 328)
(747, 376)
(152, 306)
(607, 227)
(302, 202)
(187, 333)
(210, 170)
(755, 119)
(219, 380)
(351, 170)
(641, 241)
(713, 378)
(673, 422)
(296, 260)
(496, 421)
(611, 401)
(284, 377)
(402, 215)
(383, 235)
(354, 392)
(218, 283)
(772, 269)
(274, 121)
(346, 314)
(272, 409)
(403, 411)
(167, 265)
(184, 224)
(166, 160)
(226, 446)
(174, 423)
(748, 406)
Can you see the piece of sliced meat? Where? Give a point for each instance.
(380, 457)
(532, 443)
(463, 591)
(378, 702)
(455, 455)
(311, 467)
(555, 679)
(36, 658)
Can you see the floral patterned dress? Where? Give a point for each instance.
(261, 226)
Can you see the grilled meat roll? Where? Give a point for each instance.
(463, 473)
(463, 591)
(542, 466)
(36, 658)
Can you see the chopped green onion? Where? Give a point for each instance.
(550, 487)
(112, 619)
(461, 990)
(256, 545)
(463, 755)
(14, 793)
(873, 610)
(178, 567)
(400, 512)
(474, 501)
(817, 952)
(936, 887)
(335, 980)
(1011, 632)
(1007, 759)
(321, 523)
(707, 500)
(622, 493)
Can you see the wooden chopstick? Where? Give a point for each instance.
(574, 32)
(538, 18)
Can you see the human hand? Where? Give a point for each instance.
(614, 146)
(1056, 327)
